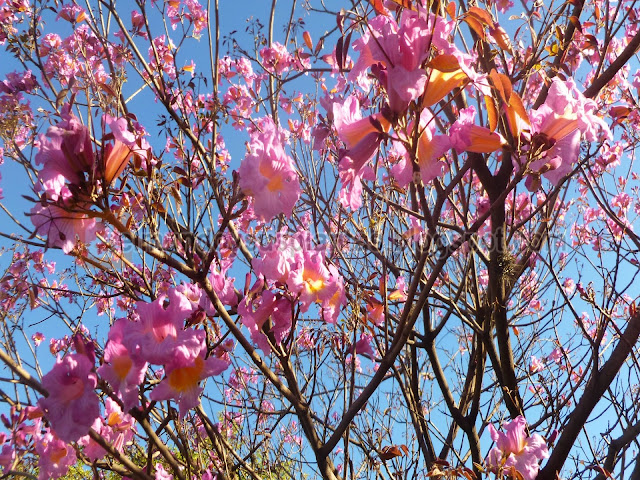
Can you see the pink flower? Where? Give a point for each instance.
(564, 97)
(362, 136)
(515, 449)
(363, 346)
(72, 405)
(276, 59)
(313, 280)
(556, 140)
(37, 338)
(558, 127)
(160, 333)
(66, 154)
(183, 377)
(256, 314)
(555, 355)
(396, 53)
(55, 457)
(268, 175)
(7, 457)
(278, 258)
(536, 365)
(63, 227)
(123, 371)
(116, 427)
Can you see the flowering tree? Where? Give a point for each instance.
(421, 264)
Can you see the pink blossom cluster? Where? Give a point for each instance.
(79, 60)
(71, 171)
(394, 53)
(290, 270)
(12, 13)
(267, 173)
(158, 334)
(16, 116)
(189, 10)
(159, 337)
(515, 448)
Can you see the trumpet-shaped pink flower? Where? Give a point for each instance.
(397, 52)
(183, 376)
(126, 145)
(294, 261)
(565, 98)
(64, 227)
(312, 280)
(352, 129)
(123, 371)
(116, 427)
(278, 258)
(160, 333)
(362, 137)
(54, 456)
(316, 282)
(7, 457)
(558, 127)
(268, 175)
(66, 154)
(515, 449)
(256, 313)
(72, 405)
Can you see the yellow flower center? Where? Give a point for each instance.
(185, 378)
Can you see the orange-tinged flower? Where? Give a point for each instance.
(184, 374)
(186, 377)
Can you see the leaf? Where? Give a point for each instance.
(575, 21)
(391, 451)
(482, 15)
(435, 472)
(476, 26)
(339, 57)
(589, 41)
(451, 10)
(378, 6)
(468, 473)
(345, 48)
(502, 39)
(33, 296)
(478, 467)
(108, 90)
(340, 20)
(307, 40)
(61, 96)
(409, 4)
(619, 113)
(516, 103)
(492, 112)
(507, 87)
(502, 84)
(444, 63)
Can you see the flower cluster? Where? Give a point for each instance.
(514, 448)
(267, 173)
